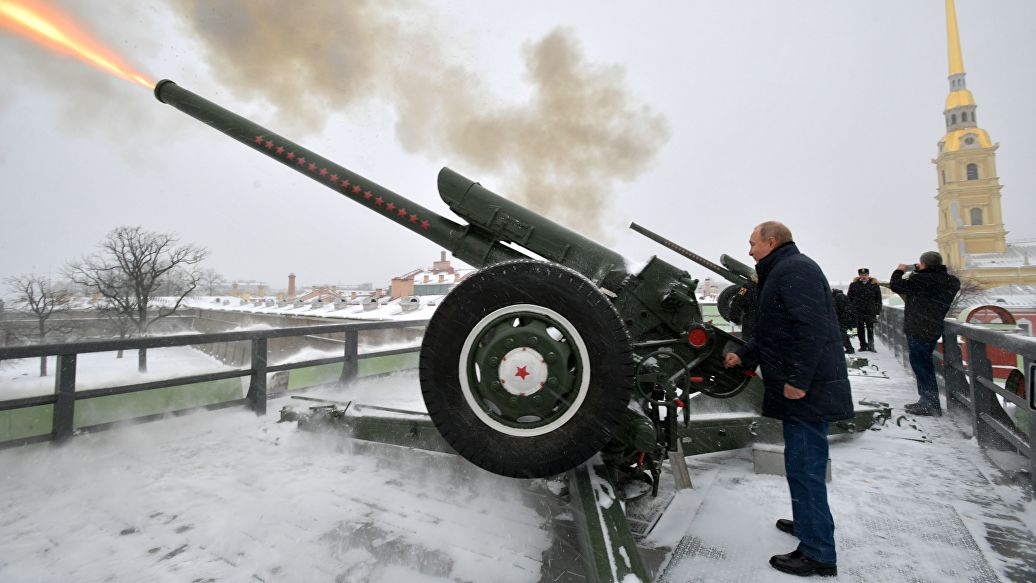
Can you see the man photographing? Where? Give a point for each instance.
(928, 293)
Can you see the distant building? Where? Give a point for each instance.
(439, 279)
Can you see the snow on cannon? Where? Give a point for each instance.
(530, 366)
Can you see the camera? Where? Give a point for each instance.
(911, 267)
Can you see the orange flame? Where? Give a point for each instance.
(49, 27)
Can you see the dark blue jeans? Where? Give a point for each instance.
(805, 463)
(921, 361)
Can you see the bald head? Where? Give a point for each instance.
(766, 237)
(775, 229)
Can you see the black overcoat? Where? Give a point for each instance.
(864, 298)
(928, 295)
(797, 340)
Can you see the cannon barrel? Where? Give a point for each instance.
(735, 272)
(471, 247)
(493, 219)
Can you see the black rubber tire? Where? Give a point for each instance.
(723, 302)
(609, 352)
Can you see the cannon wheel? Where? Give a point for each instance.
(723, 302)
(526, 369)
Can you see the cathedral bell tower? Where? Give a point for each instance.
(970, 220)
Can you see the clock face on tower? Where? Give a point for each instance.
(969, 140)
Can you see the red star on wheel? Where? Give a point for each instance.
(522, 372)
(291, 155)
(279, 150)
(413, 218)
(390, 206)
(378, 201)
(425, 225)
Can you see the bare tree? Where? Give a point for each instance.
(131, 267)
(211, 280)
(42, 298)
(969, 289)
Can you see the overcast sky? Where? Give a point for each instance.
(696, 119)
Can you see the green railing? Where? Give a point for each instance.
(58, 415)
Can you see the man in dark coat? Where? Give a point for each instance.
(844, 318)
(928, 294)
(865, 302)
(798, 348)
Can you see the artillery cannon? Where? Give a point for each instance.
(529, 367)
(742, 276)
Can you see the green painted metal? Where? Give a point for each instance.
(726, 432)
(386, 364)
(28, 422)
(609, 551)
(113, 408)
(376, 424)
(502, 338)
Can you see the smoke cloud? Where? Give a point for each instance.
(562, 148)
(562, 151)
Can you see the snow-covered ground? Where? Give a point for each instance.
(228, 496)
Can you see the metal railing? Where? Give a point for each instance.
(65, 395)
(967, 383)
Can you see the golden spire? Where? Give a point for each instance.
(953, 38)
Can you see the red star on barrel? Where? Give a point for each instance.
(323, 171)
(367, 195)
(378, 201)
(413, 218)
(522, 373)
(291, 155)
(390, 206)
(269, 144)
(357, 189)
(279, 150)
(402, 212)
(312, 167)
(258, 139)
(334, 178)
(425, 225)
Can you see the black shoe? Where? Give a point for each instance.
(923, 410)
(785, 525)
(795, 563)
(850, 350)
(927, 411)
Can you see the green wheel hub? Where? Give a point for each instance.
(523, 370)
